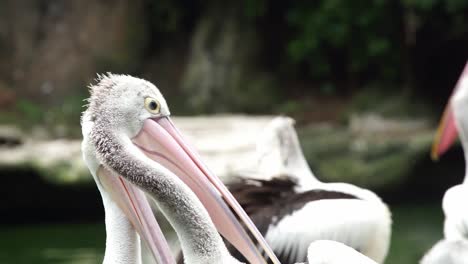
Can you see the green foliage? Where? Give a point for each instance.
(453, 6)
(30, 111)
(420, 4)
(327, 88)
(290, 107)
(60, 120)
(67, 115)
(370, 40)
(257, 95)
(172, 17)
(372, 161)
(357, 34)
(255, 8)
(166, 16)
(387, 101)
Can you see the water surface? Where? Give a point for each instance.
(52, 243)
(415, 229)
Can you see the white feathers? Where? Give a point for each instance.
(279, 152)
(456, 215)
(461, 94)
(356, 223)
(332, 252)
(363, 223)
(447, 252)
(122, 241)
(453, 249)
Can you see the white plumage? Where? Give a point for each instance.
(447, 252)
(332, 252)
(453, 249)
(363, 223)
(345, 221)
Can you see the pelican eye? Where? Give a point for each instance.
(152, 105)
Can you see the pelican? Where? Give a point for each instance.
(125, 127)
(454, 121)
(131, 145)
(292, 208)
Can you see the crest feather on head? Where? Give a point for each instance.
(101, 86)
(102, 82)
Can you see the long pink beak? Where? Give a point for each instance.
(447, 130)
(135, 206)
(161, 141)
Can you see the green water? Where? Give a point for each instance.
(55, 244)
(415, 229)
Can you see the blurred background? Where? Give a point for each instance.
(366, 81)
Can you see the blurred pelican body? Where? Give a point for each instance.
(337, 253)
(292, 208)
(454, 201)
(454, 121)
(456, 214)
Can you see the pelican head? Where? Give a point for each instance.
(130, 144)
(454, 119)
(125, 102)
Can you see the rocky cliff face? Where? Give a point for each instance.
(223, 73)
(55, 47)
(50, 50)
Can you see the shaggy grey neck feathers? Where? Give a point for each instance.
(199, 237)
